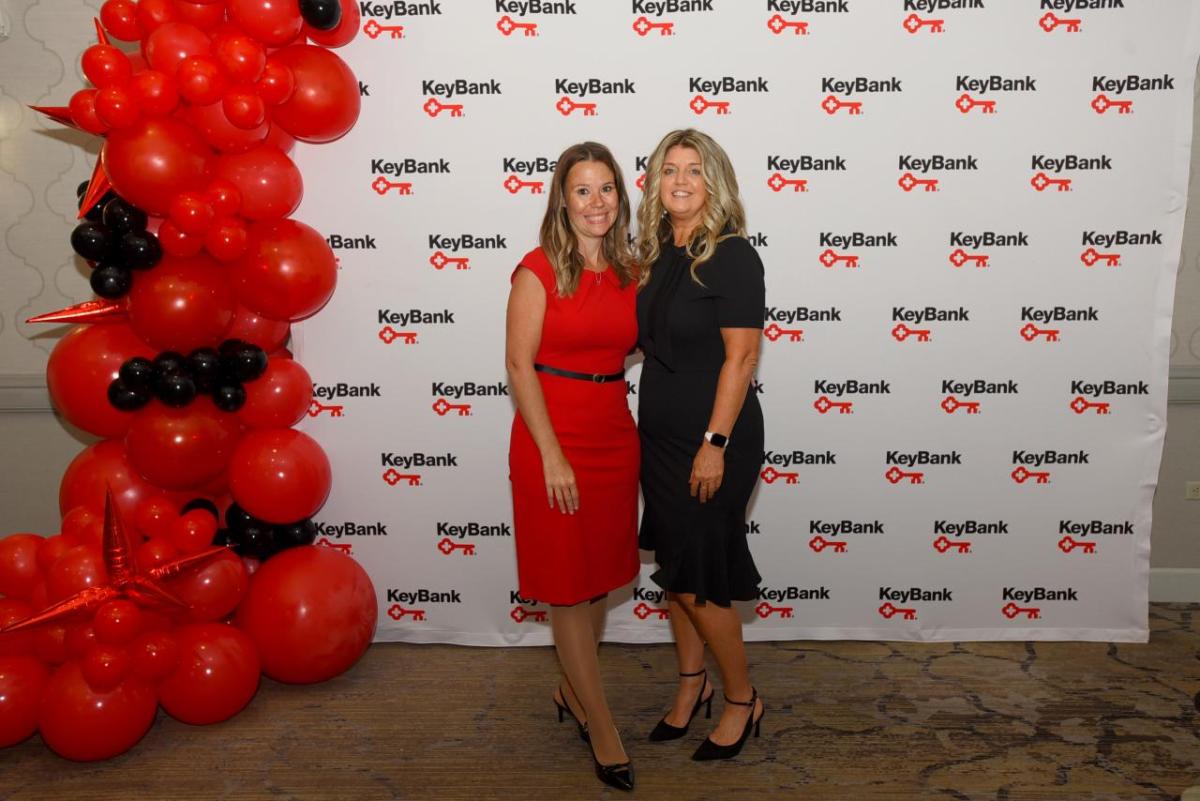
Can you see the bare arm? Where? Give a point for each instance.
(741, 359)
(523, 335)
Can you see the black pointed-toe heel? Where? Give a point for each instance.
(665, 731)
(710, 750)
(563, 708)
(619, 775)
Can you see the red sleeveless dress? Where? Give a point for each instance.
(562, 558)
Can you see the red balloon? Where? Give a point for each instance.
(269, 182)
(156, 552)
(182, 448)
(205, 15)
(50, 643)
(217, 675)
(279, 475)
(211, 123)
(153, 13)
(200, 80)
(119, 18)
(117, 106)
(224, 197)
(78, 639)
(149, 163)
(276, 84)
(214, 589)
(288, 272)
(279, 398)
(82, 106)
(193, 532)
(191, 213)
(18, 565)
(272, 22)
(105, 65)
(82, 365)
(100, 465)
(16, 643)
(22, 682)
(341, 33)
(155, 93)
(243, 108)
(84, 725)
(240, 56)
(326, 102)
(117, 622)
(182, 304)
(171, 43)
(227, 239)
(177, 243)
(251, 327)
(311, 612)
(105, 666)
(78, 522)
(155, 656)
(280, 138)
(50, 549)
(77, 569)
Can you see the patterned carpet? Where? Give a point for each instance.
(845, 721)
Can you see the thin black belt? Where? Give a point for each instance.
(593, 377)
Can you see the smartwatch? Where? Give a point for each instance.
(716, 440)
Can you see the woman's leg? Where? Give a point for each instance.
(575, 641)
(689, 654)
(598, 612)
(721, 629)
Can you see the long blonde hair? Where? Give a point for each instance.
(723, 215)
(558, 239)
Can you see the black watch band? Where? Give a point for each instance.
(716, 440)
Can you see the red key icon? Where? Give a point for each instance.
(374, 30)
(895, 475)
(829, 257)
(943, 544)
(960, 257)
(1030, 332)
(644, 610)
(440, 260)
(514, 185)
(1022, 474)
(765, 610)
(1081, 404)
(777, 183)
(701, 104)
(640, 183)
(824, 405)
(913, 24)
(398, 612)
(521, 614)
(443, 407)
(449, 546)
(434, 107)
(833, 105)
(643, 27)
(506, 25)
(889, 611)
(1102, 103)
(951, 404)
(1067, 544)
(325, 542)
(770, 475)
(1049, 22)
(965, 103)
(902, 332)
(774, 333)
(1041, 182)
(1091, 257)
(390, 335)
(566, 106)
(778, 25)
(393, 477)
(317, 408)
(382, 186)
(1011, 610)
(819, 543)
(908, 182)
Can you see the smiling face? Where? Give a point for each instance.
(682, 190)
(592, 201)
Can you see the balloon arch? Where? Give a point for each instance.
(185, 567)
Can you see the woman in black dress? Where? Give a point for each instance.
(700, 318)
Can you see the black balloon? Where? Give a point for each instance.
(96, 212)
(324, 15)
(229, 397)
(201, 503)
(138, 250)
(138, 372)
(205, 366)
(226, 537)
(110, 281)
(127, 398)
(79, 190)
(121, 216)
(290, 535)
(92, 241)
(169, 362)
(245, 362)
(237, 518)
(258, 540)
(175, 389)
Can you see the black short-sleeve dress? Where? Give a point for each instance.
(700, 548)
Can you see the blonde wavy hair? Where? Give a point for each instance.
(722, 217)
(558, 239)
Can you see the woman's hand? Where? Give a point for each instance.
(708, 470)
(560, 484)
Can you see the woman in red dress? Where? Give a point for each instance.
(574, 454)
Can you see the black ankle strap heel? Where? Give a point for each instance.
(710, 750)
(665, 731)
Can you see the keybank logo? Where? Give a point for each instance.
(399, 326)
(406, 469)
(451, 398)
(783, 322)
(837, 92)
(923, 165)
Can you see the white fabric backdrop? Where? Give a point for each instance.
(970, 215)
